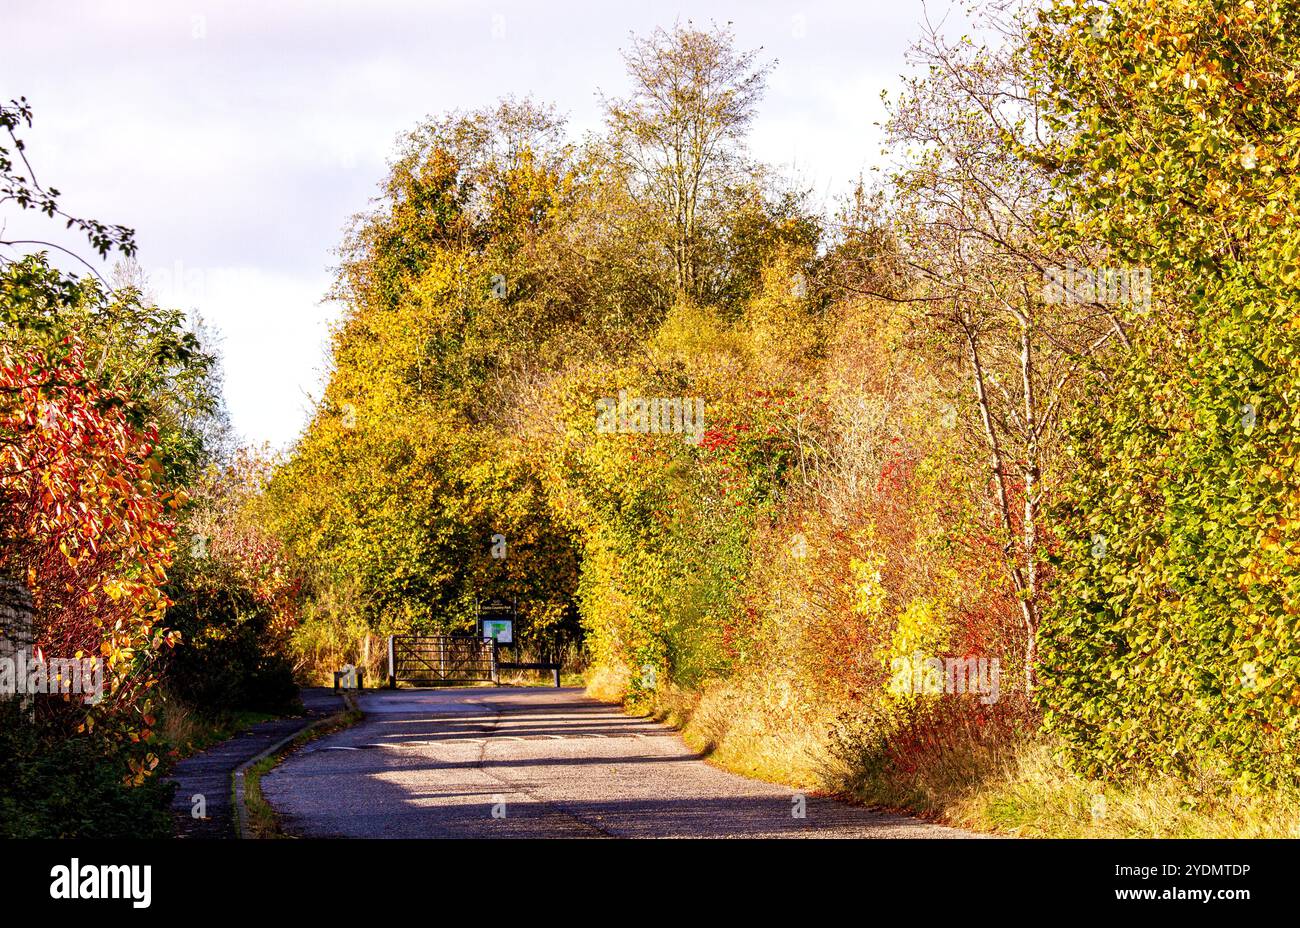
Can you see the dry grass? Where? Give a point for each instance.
(1037, 797)
(1011, 787)
(729, 725)
(608, 684)
(188, 731)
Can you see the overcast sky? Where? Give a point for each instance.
(237, 138)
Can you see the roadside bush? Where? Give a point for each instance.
(1171, 645)
(225, 664)
(59, 786)
(233, 599)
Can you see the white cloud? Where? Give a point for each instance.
(274, 329)
(243, 134)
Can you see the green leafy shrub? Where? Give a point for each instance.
(55, 786)
(1172, 643)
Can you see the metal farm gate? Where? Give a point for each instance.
(439, 660)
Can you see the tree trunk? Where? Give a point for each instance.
(1031, 471)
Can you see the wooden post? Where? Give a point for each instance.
(392, 664)
(496, 672)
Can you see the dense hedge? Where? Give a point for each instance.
(1171, 644)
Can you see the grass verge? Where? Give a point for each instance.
(1036, 796)
(1012, 785)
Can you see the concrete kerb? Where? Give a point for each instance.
(350, 704)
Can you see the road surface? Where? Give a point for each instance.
(537, 762)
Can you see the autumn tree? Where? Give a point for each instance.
(678, 138)
(459, 298)
(100, 395)
(959, 238)
(235, 598)
(88, 528)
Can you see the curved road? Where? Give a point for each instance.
(537, 762)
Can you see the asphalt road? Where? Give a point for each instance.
(537, 762)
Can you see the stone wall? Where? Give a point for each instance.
(16, 614)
